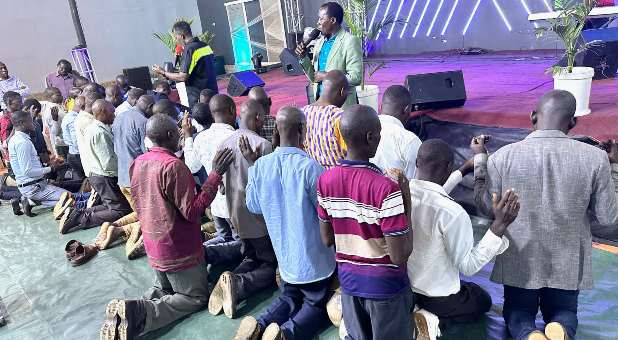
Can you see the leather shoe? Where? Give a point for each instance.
(16, 207)
(70, 248)
(26, 207)
(83, 254)
(69, 220)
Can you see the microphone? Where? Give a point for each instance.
(314, 34)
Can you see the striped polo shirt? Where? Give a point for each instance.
(364, 206)
(324, 142)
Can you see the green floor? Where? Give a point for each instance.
(46, 298)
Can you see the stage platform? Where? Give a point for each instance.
(502, 87)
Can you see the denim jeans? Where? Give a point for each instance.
(522, 305)
(300, 309)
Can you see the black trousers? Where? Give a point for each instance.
(75, 162)
(113, 203)
(469, 304)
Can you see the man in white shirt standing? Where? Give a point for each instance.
(398, 146)
(201, 152)
(132, 97)
(444, 242)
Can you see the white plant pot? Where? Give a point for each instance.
(579, 83)
(368, 96)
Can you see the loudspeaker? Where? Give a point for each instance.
(437, 90)
(241, 82)
(139, 77)
(289, 62)
(600, 52)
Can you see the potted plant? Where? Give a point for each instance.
(355, 17)
(169, 40)
(568, 27)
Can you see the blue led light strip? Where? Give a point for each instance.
(420, 20)
(523, 2)
(476, 7)
(408, 19)
(388, 8)
(373, 18)
(450, 16)
(433, 21)
(506, 21)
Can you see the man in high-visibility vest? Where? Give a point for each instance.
(196, 69)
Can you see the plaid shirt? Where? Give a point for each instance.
(268, 129)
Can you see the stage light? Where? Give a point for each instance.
(388, 8)
(506, 22)
(408, 19)
(549, 8)
(476, 7)
(450, 16)
(373, 18)
(433, 21)
(396, 17)
(420, 20)
(523, 2)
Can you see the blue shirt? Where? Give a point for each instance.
(129, 130)
(68, 132)
(24, 159)
(323, 56)
(282, 187)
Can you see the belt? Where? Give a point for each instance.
(30, 183)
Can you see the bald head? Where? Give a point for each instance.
(555, 111)
(434, 161)
(259, 94)
(251, 115)
(223, 109)
(163, 132)
(165, 107)
(334, 88)
(79, 104)
(291, 126)
(103, 111)
(144, 104)
(360, 128)
(90, 97)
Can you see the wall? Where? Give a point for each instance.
(214, 18)
(118, 34)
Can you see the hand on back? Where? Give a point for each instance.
(505, 211)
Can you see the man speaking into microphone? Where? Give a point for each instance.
(336, 49)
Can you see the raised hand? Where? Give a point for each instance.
(246, 150)
(478, 144)
(222, 161)
(158, 70)
(301, 50)
(186, 125)
(54, 113)
(505, 211)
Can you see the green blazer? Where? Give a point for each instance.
(346, 55)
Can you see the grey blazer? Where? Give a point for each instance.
(561, 183)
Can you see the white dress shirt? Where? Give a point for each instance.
(24, 159)
(125, 106)
(398, 147)
(201, 152)
(444, 242)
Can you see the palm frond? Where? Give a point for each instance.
(168, 39)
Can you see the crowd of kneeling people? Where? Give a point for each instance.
(346, 210)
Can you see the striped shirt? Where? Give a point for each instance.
(324, 142)
(364, 207)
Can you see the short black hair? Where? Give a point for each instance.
(63, 61)
(19, 116)
(159, 83)
(9, 96)
(32, 102)
(334, 10)
(201, 113)
(182, 27)
(397, 95)
(135, 93)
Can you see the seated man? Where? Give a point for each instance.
(11, 83)
(305, 264)
(29, 172)
(324, 142)
(444, 242)
(132, 97)
(257, 269)
(268, 128)
(102, 164)
(169, 210)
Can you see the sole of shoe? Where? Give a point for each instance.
(92, 200)
(60, 204)
(123, 327)
(215, 302)
(422, 328)
(555, 331)
(248, 329)
(63, 220)
(333, 308)
(109, 328)
(229, 294)
(272, 332)
(536, 335)
(67, 203)
(343, 332)
(136, 249)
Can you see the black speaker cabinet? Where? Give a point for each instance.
(600, 52)
(437, 90)
(289, 62)
(241, 82)
(139, 77)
